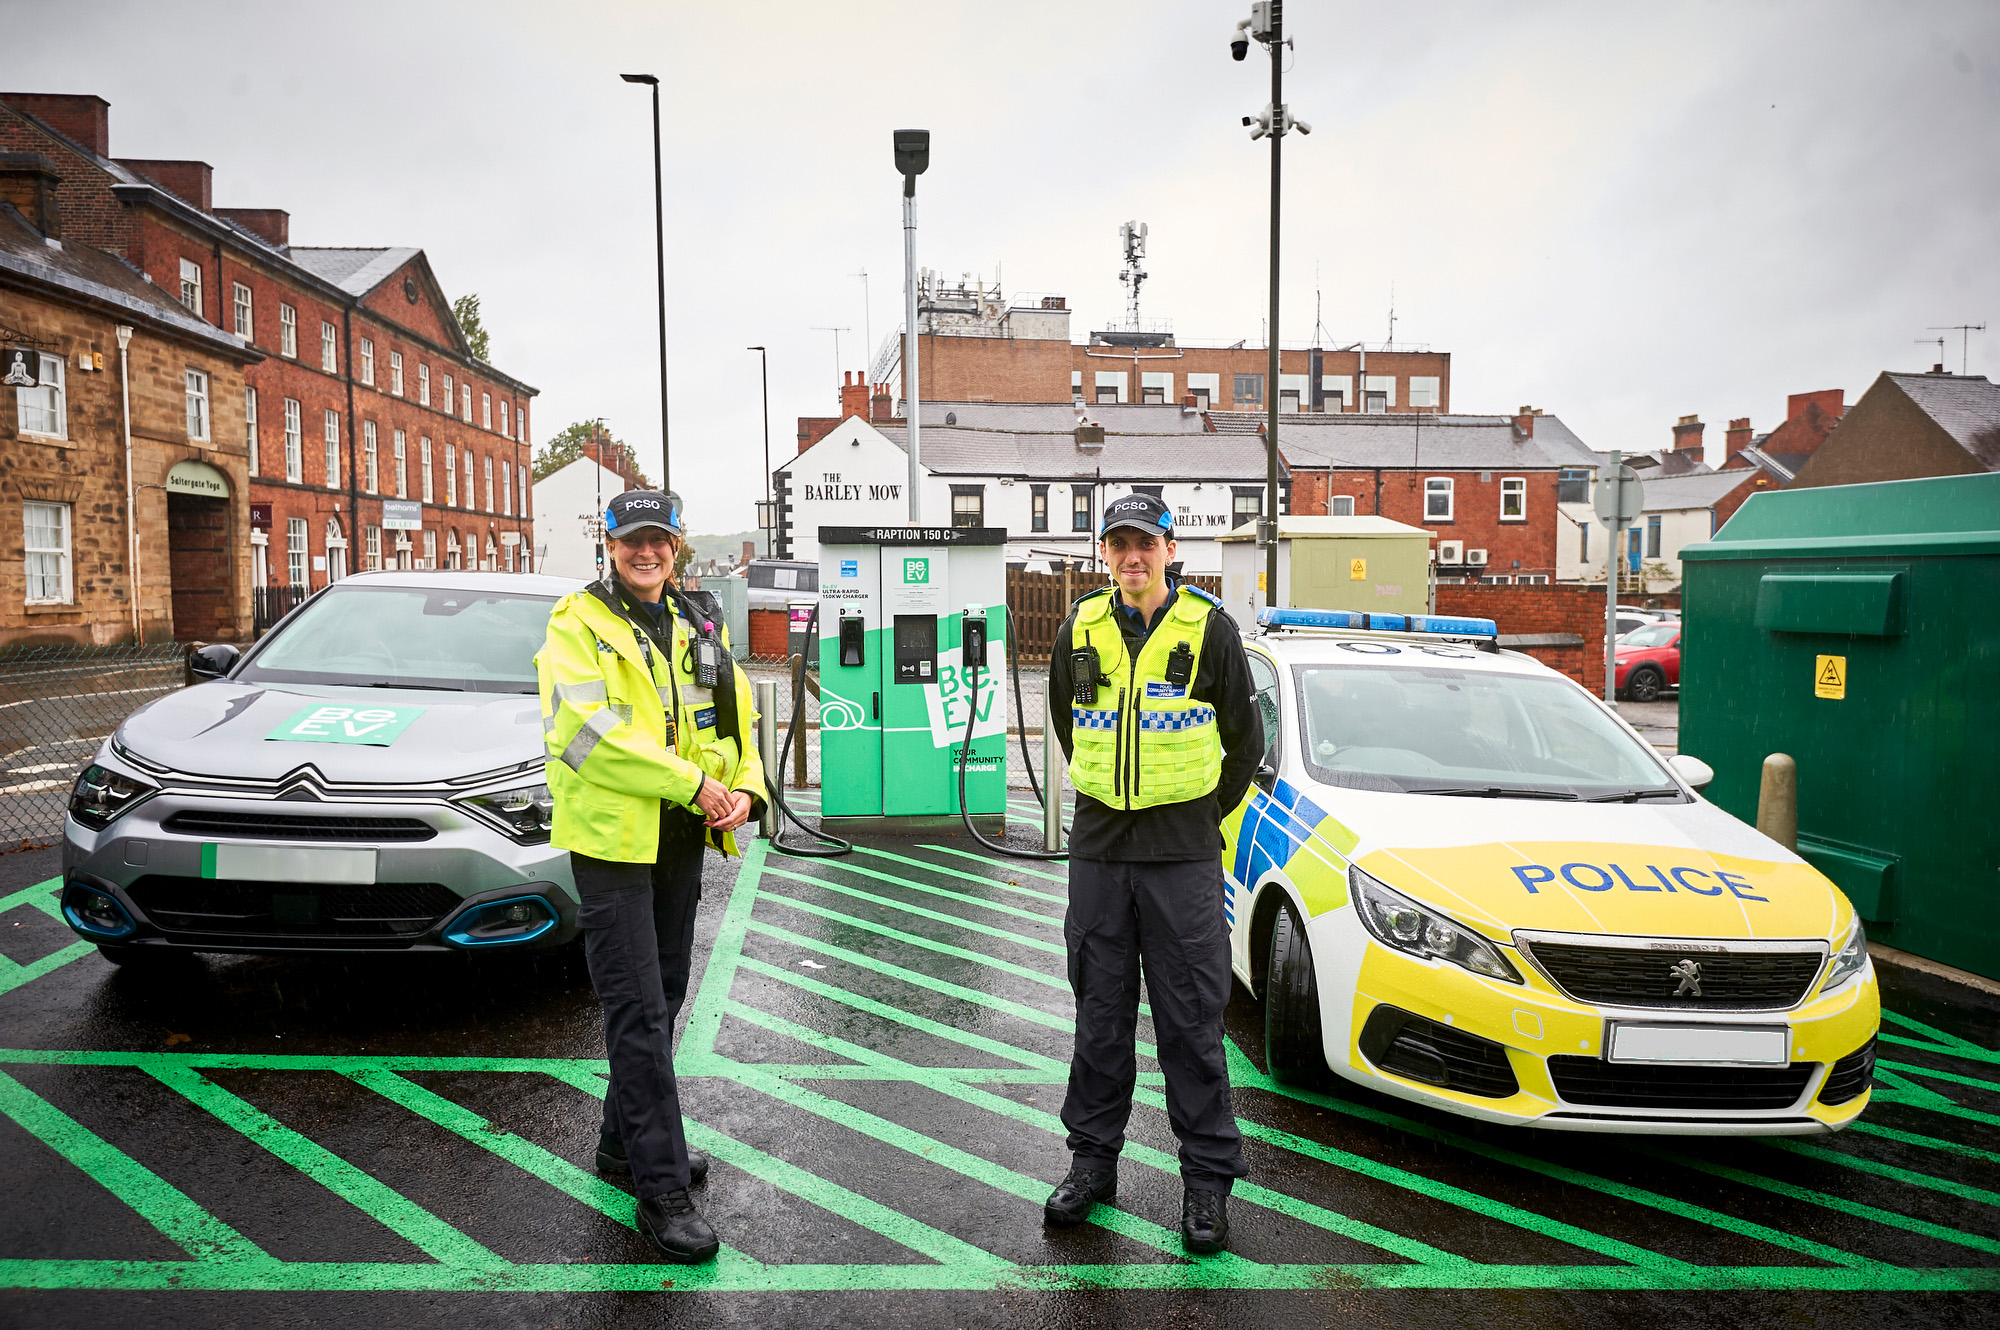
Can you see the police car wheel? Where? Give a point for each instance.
(1644, 685)
(1292, 1042)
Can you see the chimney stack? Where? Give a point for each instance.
(191, 182)
(1687, 437)
(880, 405)
(749, 550)
(1524, 420)
(854, 394)
(84, 118)
(1738, 437)
(28, 181)
(273, 226)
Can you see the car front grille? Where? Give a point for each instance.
(1653, 976)
(189, 907)
(1423, 1050)
(296, 826)
(1581, 1080)
(1850, 1076)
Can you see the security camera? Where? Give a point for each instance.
(1239, 42)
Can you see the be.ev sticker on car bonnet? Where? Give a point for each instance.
(329, 724)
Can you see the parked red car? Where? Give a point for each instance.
(1649, 661)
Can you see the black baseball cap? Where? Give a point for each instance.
(635, 510)
(1142, 512)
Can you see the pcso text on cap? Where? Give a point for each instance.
(635, 510)
(1141, 512)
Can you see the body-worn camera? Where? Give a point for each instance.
(1084, 675)
(1180, 666)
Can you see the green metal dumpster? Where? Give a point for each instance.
(1857, 628)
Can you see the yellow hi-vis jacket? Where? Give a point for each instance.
(605, 723)
(1145, 741)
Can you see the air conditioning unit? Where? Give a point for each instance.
(1475, 558)
(1451, 552)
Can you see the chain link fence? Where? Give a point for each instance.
(56, 704)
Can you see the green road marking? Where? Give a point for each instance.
(1936, 1040)
(1011, 866)
(1041, 917)
(890, 903)
(45, 896)
(1928, 1142)
(962, 875)
(157, 1201)
(38, 895)
(912, 939)
(374, 1198)
(1882, 1170)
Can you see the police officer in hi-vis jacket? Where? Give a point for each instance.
(1163, 736)
(650, 728)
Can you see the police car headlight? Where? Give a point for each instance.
(526, 812)
(101, 796)
(1847, 962)
(1401, 923)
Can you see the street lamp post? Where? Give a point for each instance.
(1266, 26)
(913, 158)
(660, 262)
(764, 368)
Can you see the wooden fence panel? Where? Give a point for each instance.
(1037, 603)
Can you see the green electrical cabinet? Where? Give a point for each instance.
(1857, 628)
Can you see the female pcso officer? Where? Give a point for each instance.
(648, 724)
(1163, 735)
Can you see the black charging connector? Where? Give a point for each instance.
(972, 641)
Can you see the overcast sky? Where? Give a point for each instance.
(1618, 213)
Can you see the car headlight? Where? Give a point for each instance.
(101, 796)
(1401, 923)
(1847, 962)
(525, 812)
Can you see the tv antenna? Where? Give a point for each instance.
(1937, 342)
(1964, 331)
(820, 327)
(1392, 318)
(1133, 236)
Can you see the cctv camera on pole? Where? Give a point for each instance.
(913, 158)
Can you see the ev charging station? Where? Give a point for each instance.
(903, 610)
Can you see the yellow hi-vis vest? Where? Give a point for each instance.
(612, 756)
(1144, 741)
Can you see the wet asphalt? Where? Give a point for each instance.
(856, 1150)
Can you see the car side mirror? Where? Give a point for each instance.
(1692, 770)
(213, 661)
(1266, 777)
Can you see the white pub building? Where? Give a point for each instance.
(1042, 471)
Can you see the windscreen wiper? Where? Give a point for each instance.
(1633, 796)
(1496, 792)
(424, 687)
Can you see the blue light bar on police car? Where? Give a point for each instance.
(1454, 625)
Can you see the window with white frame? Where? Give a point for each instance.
(505, 428)
(489, 482)
(1424, 390)
(492, 563)
(333, 450)
(521, 423)
(250, 426)
(465, 401)
(430, 549)
(44, 408)
(396, 373)
(336, 551)
(470, 500)
(1205, 388)
(1158, 388)
(371, 548)
(294, 447)
(1038, 508)
(452, 557)
(1079, 508)
(451, 474)
(1333, 392)
(368, 361)
(197, 406)
(329, 347)
(447, 394)
(370, 469)
(295, 551)
(1379, 392)
(1437, 498)
(507, 488)
(288, 330)
(486, 410)
(1248, 389)
(242, 311)
(1246, 504)
(45, 530)
(423, 385)
(521, 479)
(1513, 498)
(424, 461)
(1533, 579)
(1076, 385)
(191, 286)
(1340, 505)
(1110, 384)
(968, 505)
(402, 467)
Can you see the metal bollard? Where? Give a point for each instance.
(767, 751)
(1052, 774)
(1778, 801)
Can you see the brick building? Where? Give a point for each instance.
(117, 400)
(372, 435)
(1908, 426)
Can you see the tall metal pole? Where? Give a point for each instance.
(1611, 557)
(660, 261)
(1271, 386)
(910, 343)
(764, 363)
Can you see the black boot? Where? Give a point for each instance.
(611, 1158)
(1071, 1201)
(677, 1229)
(1205, 1221)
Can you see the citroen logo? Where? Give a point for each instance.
(1689, 973)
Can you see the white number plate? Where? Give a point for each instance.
(284, 863)
(1756, 1045)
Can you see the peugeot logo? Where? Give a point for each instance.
(1689, 973)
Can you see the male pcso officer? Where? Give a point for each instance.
(648, 724)
(1163, 735)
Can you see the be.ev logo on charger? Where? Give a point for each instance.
(916, 570)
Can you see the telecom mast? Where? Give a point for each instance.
(1133, 236)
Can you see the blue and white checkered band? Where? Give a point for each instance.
(1176, 720)
(1094, 720)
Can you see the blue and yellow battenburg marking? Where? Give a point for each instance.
(1176, 720)
(1094, 719)
(1286, 830)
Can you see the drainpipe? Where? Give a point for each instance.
(354, 542)
(131, 512)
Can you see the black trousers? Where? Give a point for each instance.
(1167, 919)
(638, 936)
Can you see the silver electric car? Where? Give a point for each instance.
(367, 777)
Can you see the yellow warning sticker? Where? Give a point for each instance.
(1357, 570)
(1830, 677)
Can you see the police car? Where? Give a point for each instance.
(1462, 880)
